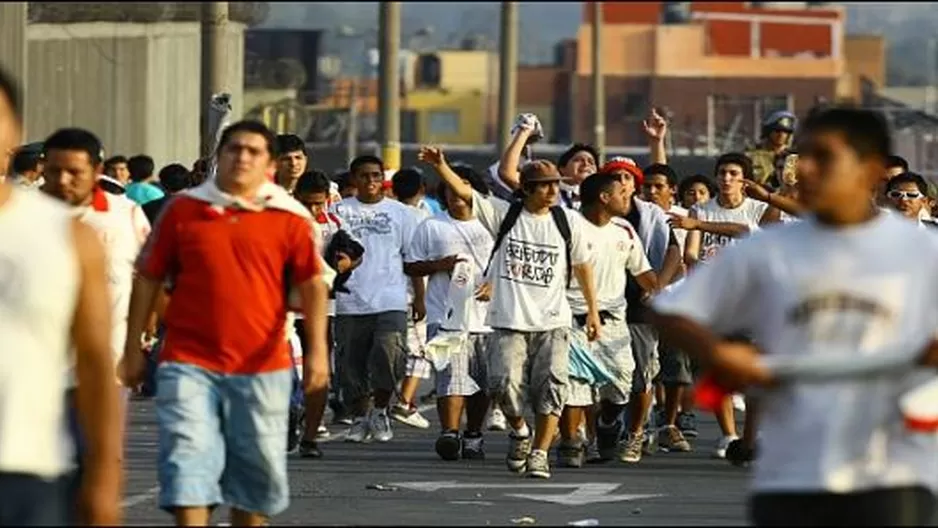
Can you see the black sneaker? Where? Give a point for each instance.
(607, 439)
(310, 449)
(740, 455)
(449, 445)
(472, 447)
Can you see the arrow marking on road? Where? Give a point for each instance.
(584, 493)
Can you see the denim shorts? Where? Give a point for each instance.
(222, 438)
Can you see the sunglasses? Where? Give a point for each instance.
(904, 195)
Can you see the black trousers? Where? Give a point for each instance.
(28, 500)
(908, 506)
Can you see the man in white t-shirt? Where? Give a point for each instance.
(371, 320)
(443, 246)
(675, 417)
(575, 164)
(407, 187)
(832, 452)
(531, 267)
(120, 224)
(712, 226)
(614, 249)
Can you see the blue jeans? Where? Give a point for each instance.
(222, 438)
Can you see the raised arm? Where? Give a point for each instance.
(656, 130)
(511, 158)
(777, 202)
(434, 157)
(729, 229)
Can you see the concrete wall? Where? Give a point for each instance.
(13, 38)
(135, 85)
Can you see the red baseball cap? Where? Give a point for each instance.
(628, 165)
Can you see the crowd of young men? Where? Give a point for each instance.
(579, 293)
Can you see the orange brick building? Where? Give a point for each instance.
(717, 71)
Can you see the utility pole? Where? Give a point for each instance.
(389, 96)
(214, 64)
(932, 76)
(599, 90)
(507, 73)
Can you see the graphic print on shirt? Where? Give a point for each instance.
(846, 315)
(710, 243)
(530, 263)
(361, 224)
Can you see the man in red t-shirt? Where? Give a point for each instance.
(224, 380)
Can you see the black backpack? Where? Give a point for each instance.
(511, 217)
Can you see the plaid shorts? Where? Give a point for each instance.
(417, 365)
(465, 374)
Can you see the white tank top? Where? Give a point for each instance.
(39, 281)
(748, 213)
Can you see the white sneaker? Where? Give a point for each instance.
(409, 416)
(739, 402)
(720, 450)
(360, 430)
(322, 432)
(381, 426)
(496, 421)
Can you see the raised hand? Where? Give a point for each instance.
(656, 127)
(431, 155)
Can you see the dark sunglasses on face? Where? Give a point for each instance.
(904, 195)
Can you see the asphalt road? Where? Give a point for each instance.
(664, 489)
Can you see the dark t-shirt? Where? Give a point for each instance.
(636, 310)
(153, 208)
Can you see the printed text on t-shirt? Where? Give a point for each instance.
(530, 263)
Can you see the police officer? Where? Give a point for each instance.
(768, 158)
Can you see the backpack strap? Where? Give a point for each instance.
(563, 225)
(511, 217)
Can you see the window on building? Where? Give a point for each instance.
(443, 123)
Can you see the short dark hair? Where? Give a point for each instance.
(25, 161)
(343, 179)
(894, 160)
(253, 127)
(406, 183)
(366, 159)
(573, 150)
(594, 185)
(10, 88)
(314, 181)
(908, 177)
(866, 132)
(663, 170)
(287, 143)
(141, 167)
(75, 139)
(734, 158)
(687, 182)
(175, 177)
(114, 160)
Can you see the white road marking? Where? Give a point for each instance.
(584, 493)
